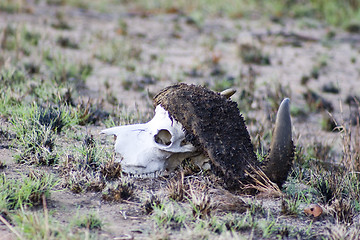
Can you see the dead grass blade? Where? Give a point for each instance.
(7, 224)
(263, 184)
(351, 144)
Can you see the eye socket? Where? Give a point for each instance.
(163, 137)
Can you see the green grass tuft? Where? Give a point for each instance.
(27, 194)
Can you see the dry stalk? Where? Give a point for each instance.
(7, 224)
(263, 184)
(46, 216)
(351, 145)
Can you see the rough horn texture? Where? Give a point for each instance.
(281, 153)
(214, 124)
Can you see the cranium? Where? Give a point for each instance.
(148, 149)
(193, 122)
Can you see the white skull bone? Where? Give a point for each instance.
(149, 148)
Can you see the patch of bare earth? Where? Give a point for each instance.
(173, 49)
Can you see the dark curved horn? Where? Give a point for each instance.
(281, 153)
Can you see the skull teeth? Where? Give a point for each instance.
(146, 175)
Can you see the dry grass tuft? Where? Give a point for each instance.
(342, 210)
(200, 200)
(123, 191)
(339, 232)
(263, 184)
(175, 188)
(351, 145)
(111, 170)
(149, 205)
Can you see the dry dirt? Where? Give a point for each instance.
(171, 47)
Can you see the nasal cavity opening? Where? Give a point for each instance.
(163, 137)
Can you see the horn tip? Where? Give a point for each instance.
(228, 92)
(285, 101)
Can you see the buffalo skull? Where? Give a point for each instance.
(194, 122)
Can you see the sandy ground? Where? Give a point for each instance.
(170, 47)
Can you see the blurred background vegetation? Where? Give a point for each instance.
(334, 12)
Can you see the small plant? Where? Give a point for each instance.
(90, 221)
(251, 54)
(328, 123)
(121, 191)
(342, 231)
(19, 39)
(35, 225)
(35, 130)
(319, 66)
(122, 28)
(330, 88)
(5, 135)
(61, 23)
(64, 72)
(79, 178)
(247, 94)
(36, 146)
(351, 145)
(276, 93)
(2, 165)
(343, 210)
(12, 6)
(90, 153)
(10, 77)
(119, 52)
(262, 183)
(32, 68)
(151, 203)
(54, 118)
(304, 80)
(139, 83)
(221, 85)
(200, 202)
(90, 113)
(328, 184)
(315, 72)
(27, 194)
(65, 42)
(169, 215)
(239, 224)
(267, 227)
(353, 27)
(111, 170)
(316, 102)
(256, 209)
(189, 168)
(86, 173)
(176, 189)
(290, 206)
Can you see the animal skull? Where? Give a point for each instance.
(194, 122)
(148, 149)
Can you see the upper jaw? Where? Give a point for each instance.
(140, 171)
(138, 174)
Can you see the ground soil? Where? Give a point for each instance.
(294, 47)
